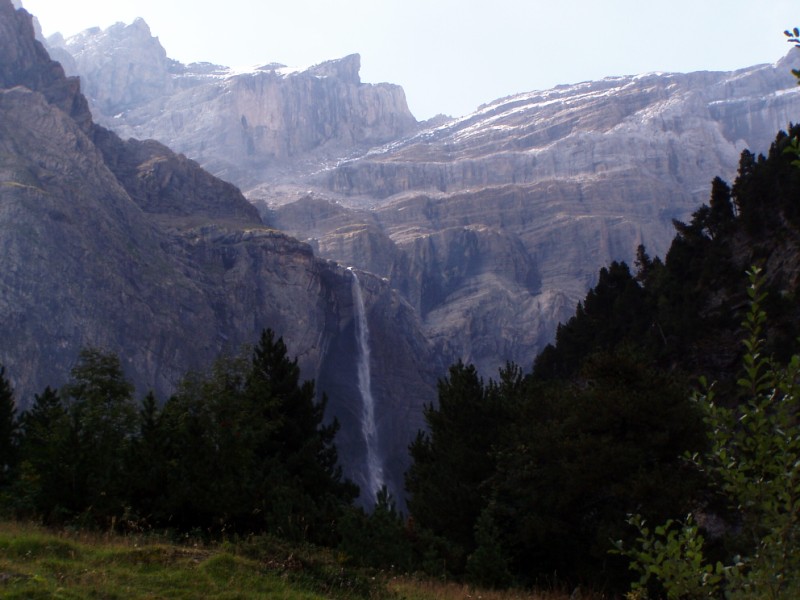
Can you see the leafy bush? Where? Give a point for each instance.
(754, 462)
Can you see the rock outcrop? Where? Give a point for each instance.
(240, 125)
(126, 246)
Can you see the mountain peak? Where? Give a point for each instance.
(345, 69)
(24, 61)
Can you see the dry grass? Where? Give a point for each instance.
(408, 588)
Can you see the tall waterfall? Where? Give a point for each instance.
(374, 475)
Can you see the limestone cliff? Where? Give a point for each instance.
(239, 125)
(492, 225)
(572, 177)
(126, 246)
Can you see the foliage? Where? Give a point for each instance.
(262, 459)
(670, 560)
(613, 312)
(102, 416)
(74, 446)
(488, 566)
(754, 462)
(794, 38)
(453, 460)
(8, 430)
(239, 449)
(553, 464)
(43, 482)
(379, 539)
(581, 456)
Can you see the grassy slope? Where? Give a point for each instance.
(39, 564)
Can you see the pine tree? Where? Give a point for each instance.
(301, 484)
(454, 459)
(8, 430)
(248, 450)
(46, 458)
(102, 427)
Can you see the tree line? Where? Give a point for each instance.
(241, 448)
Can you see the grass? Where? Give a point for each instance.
(412, 588)
(40, 564)
(37, 564)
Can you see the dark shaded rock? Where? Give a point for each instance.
(24, 61)
(131, 248)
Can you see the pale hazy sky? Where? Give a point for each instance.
(452, 55)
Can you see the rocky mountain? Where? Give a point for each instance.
(491, 226)
(127, 246)
(532, 194)
(246, 126)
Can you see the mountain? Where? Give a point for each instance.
(242, 125)
(492, 226)
(573, 177)
(132, 248)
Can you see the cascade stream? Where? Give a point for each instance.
(374, 474)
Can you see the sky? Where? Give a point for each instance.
(450, 56)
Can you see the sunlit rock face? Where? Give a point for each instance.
(568, 178)
(241, 124)
(131, 248)
(492, 225)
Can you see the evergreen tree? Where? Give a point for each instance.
(46, 458)
(580, 456)
(453, 460)
(102, 427)
(301, 485)
(753, 459)
(488, 566)
(147, 466)
(8, 430)
(207, 448)
(261, 457)
(378, 539)
(616, 310)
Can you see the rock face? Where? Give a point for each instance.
(126, 246)
(495, 224)
(492, 226)
(240, 125)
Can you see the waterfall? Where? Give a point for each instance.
(374, 475)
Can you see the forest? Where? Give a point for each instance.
(653, 448)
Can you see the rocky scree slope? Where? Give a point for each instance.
(126, 246)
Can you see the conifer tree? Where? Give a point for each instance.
(8, 430)
(296, 462)
(46, 457)
(454, 459)
(102, 427)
